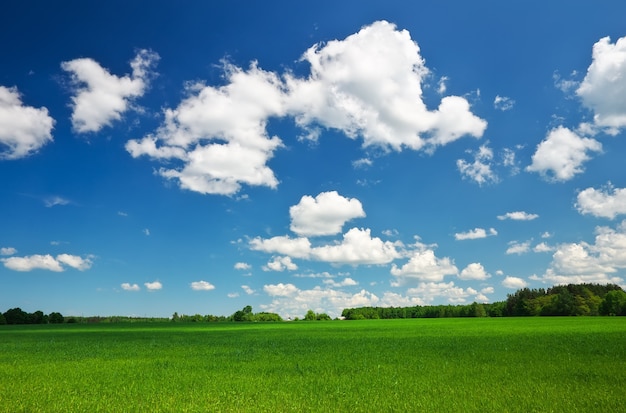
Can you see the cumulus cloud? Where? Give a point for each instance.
(424, 265)
(543, 247)
(367, 86)
(357, 247)
(607, 202)
(47, 262)
(518, 248)
(474, 271)
(562, 154)
(202, 286)
(475, 233)
(604, 86)
(427, 292)
(280, 264)
(324, 215)
(518, 216)
(153, 286)
(217, 135)
(370, 85)
(130, 287)
(23, 129)
(514, 283)
(479, 171)
(582, 262)
(246, 289)
(8, 251)
(290, 301)
(346, 282)
(503, 103)
(243, 266)
(100, 97)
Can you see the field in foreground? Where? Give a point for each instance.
(448, 365)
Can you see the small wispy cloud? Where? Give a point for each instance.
(52, 201)
(475, 233)
(503, 103)
(518, 216)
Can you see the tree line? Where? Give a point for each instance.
(566, 300)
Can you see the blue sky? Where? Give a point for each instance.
(197, 158)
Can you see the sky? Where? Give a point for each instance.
(159, 157)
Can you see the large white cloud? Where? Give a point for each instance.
(424, 265)
(47, 262)
(23, 129)
(100, 97)
(604, 86)
(606, 203)
(218, 136)
(370, 85)
(323, 215)
(562, 154)
(581, 262)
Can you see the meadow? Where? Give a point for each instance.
(535, 364)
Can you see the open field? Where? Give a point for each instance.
(490, 364)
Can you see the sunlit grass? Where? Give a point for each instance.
(512, 364)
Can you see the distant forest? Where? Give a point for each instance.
(565, 300)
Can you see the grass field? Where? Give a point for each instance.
(421, 365)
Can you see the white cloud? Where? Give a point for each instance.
(75, 261)
(514, 282)
(590, 263)
(289, 301)
(218, 136)
(543, 247)
(370, 85)
(153, 286)
(606, 203)
(100, 97)
(246, 289)
(561, 155)
(474, 271)
(47, 262)
(243, 266)
(202, 286)
(130, 287)
(604, 86)
(362, 163)
(518, 248)
(232, 295)
(347, 282)
(280, 290)
(424, 266)
(52, 201)
(280, 264)
(146, 232)
(358, 247)
(8, 251)
(427, 292)
(323, 215)
(284, 245)
(23, 129)
(509, 160)
(518, 216)
(503, 103)
(475, 233)
(480, 170)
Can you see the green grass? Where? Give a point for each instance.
(422, 365)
